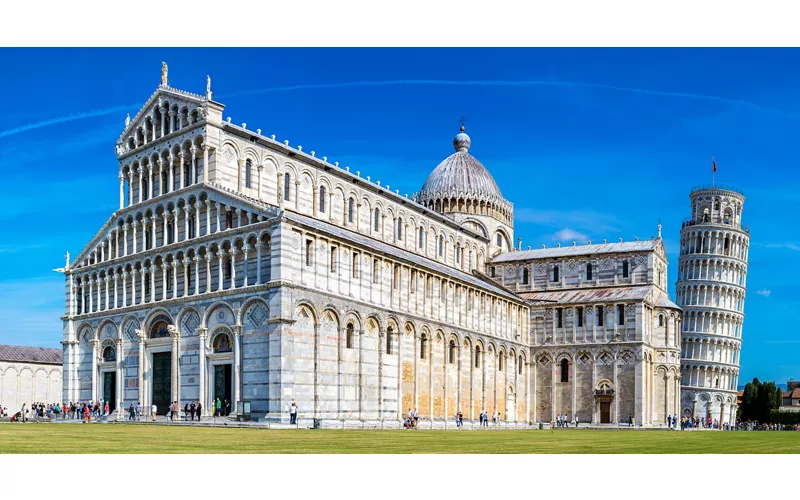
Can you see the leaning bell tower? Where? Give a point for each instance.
(712, 280)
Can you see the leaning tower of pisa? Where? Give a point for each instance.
(712, 279)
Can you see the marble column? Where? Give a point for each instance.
(202, 333)
(120, 378)
(175, 367)
(95, 346)
(237, 361)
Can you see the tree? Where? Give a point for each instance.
(749, 400)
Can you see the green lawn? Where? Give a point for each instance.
(50, 438)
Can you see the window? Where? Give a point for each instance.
(491, 270)
(452, 352)
(322, 199)
(349, 336)
(660, 320)
(355, 265)
(564, 370)
(248, 169)
(222, 343)
(170, 233)
(600, 314)
(147, 238)
(589, 271)
(350, 209)
(555, 272)
(144, 189)
(525, 276)
(520, 365)
(624, 268)
(396, 277)
(620, 314)
(228, 219)
(389, 335)
(423, 347)
(421, 237)
(163, 185)
(192, 225)
(309, 251)
(559, 318)
(287, 185)
(500, 240)
(500, 361)
(399, 229)
(458, 253)
(477, 357)
(376, 270)
(376, 220)
(413, 286)
(334, 259)
(188, 277)
(169, 277)
(227, 268)
(579, 314)
(441, 246)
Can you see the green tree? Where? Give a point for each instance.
(749, 399)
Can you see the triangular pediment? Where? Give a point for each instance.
(164, 96)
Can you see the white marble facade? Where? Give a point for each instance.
(238, 265)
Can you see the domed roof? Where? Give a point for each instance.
(461, 175)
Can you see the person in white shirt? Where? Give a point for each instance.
(293, 413)
(154, 409)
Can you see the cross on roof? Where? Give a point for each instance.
(463, 121)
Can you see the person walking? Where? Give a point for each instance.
(132, 412)
(218, 408)
(153, 410)
(416, 418)
(139, 410)
(199, 410)
(576, 421)
(192, 409)
(293, 413)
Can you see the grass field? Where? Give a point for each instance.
(48, 438)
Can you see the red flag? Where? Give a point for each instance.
(714, 164)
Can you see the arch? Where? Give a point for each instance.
(216, 307)
(257, 317)
(153, 315)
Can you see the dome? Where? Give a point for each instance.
(461, 175)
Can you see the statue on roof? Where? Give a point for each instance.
(164, 74)
(67, 264)
(128, 120)
(208, 84)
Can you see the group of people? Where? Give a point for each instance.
(562, 420)
(50, 411)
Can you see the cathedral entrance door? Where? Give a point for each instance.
(162, 381)
(605, 412)
(222, 384)
(110, 390)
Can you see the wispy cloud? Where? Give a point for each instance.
(788, 246)
(518, 83)
(782, 341)
(764, 292)
(587, 220)
(386, 83)
(568, 234)
(20, 248)
(67, 118)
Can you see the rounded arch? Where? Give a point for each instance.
(153, 315)
(216, 307)
(244, 311)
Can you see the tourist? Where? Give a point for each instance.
(186, 410)
(219, 408)
(139, 410)
(154, 409)
(132, 412)
(416, 417)
(576, 421)
(199, 410)
(227, 407)
(192, 409)
(87, 414)
(293, 413)
(107, 409)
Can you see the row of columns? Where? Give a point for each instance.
(136, 176)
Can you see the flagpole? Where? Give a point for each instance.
(713, 171)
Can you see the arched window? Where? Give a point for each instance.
(349, 336)
(334, 259)
(109, 354)
(525, 276)
(441, 246)
(396, 277)
(589, 271)
(564, 370)
(144, 189)
(376, 220)
(452, 352)
(520, 365)
(716, 204)
(192, 226)
(389, 336)
(322, 199)
(248, 172)
(458, 253)
(501, 362)
(222, 343)
(170, 233)
(660, 320)
(624, 268)
(287, 186)
(350, 209)
(555, 272)
(423, 347)
(399, 229)
(421, 236)
(477, 357)
(376, 270)
(500, 240)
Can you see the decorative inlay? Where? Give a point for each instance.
(257, 314)
(190, 322)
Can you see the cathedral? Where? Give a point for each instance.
(243, 268)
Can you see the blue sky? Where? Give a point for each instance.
(587, 144)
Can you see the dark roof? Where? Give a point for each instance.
(25, 354)
(794, 393)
